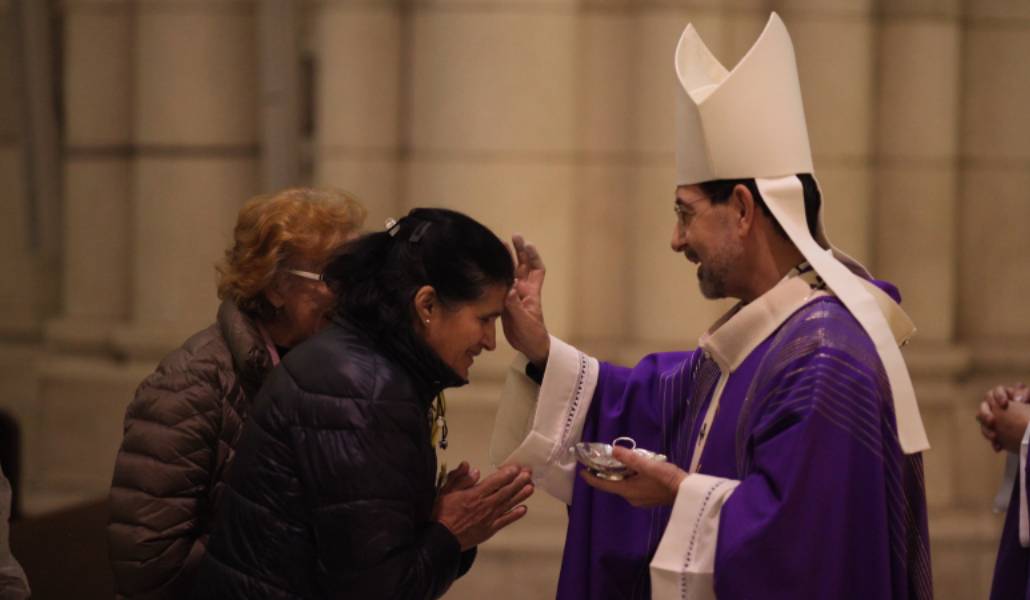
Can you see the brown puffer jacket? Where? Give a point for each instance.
(180, 432)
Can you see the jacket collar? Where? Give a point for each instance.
(247, 347)
(429, 372)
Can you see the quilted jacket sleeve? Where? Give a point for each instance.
(163, 476)
(404, 560)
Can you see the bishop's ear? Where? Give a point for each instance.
(745, 206)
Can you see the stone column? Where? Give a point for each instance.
(360, 82)
(97, 100)
(666, 309)
(29, 223)
(916, 192)
(917, 106)
(10, 108)
(27, 255)
(996, 172)
(835, 46)
(279, 58)
(490, 123)
(72, 392)
(605, 55)
(18, 322)
(15, 299)
(195, 160)
(162, 151)
(992, 260)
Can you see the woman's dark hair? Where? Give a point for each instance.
(377, 275)
(719, 191)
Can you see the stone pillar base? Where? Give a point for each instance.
(77, 428)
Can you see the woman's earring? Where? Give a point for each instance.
(427, 321)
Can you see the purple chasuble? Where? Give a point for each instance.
(828, 505)
(1012, 570)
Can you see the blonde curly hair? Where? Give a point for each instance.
(272, 229)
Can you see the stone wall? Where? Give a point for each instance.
(546, 117)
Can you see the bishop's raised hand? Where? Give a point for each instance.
(523, 318)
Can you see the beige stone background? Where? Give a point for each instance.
(131, 131)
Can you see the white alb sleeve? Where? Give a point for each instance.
(536, 425)
(684, 564)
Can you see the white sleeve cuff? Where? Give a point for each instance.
(535, 426)
(684, 564)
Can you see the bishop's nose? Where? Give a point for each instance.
(679, 239)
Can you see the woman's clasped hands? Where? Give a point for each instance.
(475, 510)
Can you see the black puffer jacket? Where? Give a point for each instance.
(334, 482)
(180, 430)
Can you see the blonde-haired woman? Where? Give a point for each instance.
(186, 417)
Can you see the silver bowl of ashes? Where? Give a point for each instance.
(597, 458)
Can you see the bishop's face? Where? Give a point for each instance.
(704, 234)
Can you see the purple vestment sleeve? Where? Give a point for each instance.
(1012, 569)
(608, 541)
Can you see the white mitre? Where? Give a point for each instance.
(750, 123)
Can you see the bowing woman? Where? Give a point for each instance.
(336, 490)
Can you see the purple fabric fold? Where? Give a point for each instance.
(828, 505)
(1012, 569)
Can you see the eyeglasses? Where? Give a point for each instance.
(307, 274)
(684, 217)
